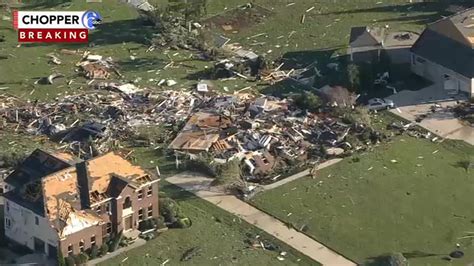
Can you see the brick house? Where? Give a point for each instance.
(56, 202)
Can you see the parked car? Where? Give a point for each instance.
(377, 104)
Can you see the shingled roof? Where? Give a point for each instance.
(450, 42)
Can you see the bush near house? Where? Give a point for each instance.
(94, 252)
(104, 249)
(81, 259)
(115, 241)
(69, 261)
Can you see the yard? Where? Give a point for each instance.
(220, 237)
(324, 33)
(410, 196)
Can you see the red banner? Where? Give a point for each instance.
(53, 35)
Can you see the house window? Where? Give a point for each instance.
(140, 214)
(420, 60)
(150, 211)
(81, 245)
(69, 250)
(8, 206)
(140, 194)
(107, 207)
(7, 222)
(109, 228)
(149, 191)
(92, 240)
(36, 220)
(99, 209)
(127, 203)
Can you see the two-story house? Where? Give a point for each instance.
(56, 202)
(444, 53)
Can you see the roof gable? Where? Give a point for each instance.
(366, 36)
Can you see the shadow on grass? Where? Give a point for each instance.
(176, 193)
(384, 260)
(434, 9)
(141, 64)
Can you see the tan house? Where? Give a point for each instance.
(56, 202)
(444, 53)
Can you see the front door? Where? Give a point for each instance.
(128, 221)
(52, 252)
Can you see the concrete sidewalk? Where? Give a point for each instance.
(200, 186)
(300, 174)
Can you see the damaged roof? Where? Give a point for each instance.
(37, 165)
(64, 196)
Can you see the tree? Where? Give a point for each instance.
(353, 76)
(69, 261)
(228, 173)
(308, 101)
(94, 253)
(397, 259)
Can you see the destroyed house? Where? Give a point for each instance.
(201, 132)
(58, 203)
(444, 53)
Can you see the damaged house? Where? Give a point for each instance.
(57, 203)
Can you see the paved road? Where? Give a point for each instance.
(442, 123)
(300, 174)
(199, 185)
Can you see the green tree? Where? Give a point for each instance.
(228, 173)
(397, 259)
(353, 76)
(308, 101)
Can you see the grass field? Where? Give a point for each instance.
(220, 236)
(324, 33)
(420, 205)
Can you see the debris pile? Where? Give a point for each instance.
(465, 112)
(97, 121)
(270, 136)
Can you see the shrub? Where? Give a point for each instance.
(227, 173)
(94, 253)
(104, 249)
(61, 260)
(69, 261)
(169, 209)
(81, 259)
(308, 101)
(184, 223)
(160, 223)
(202, 164)
(397, 259)
(115, 242)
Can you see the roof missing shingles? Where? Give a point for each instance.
(60, 196)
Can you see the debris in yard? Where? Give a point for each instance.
(171, 82)
(54, 59)
(50, 79)
(165, 262)
(436, 151)
(125, 259)
(280, 258)
(457, 254)
(190, 253)
(393, 161)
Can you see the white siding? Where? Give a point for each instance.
(23, 229)
(435, 73)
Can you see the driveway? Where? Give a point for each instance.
(430, 94)
(442, 123)
(200, 186)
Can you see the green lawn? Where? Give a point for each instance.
(420, 204)
(325, 32)
(220, 236)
